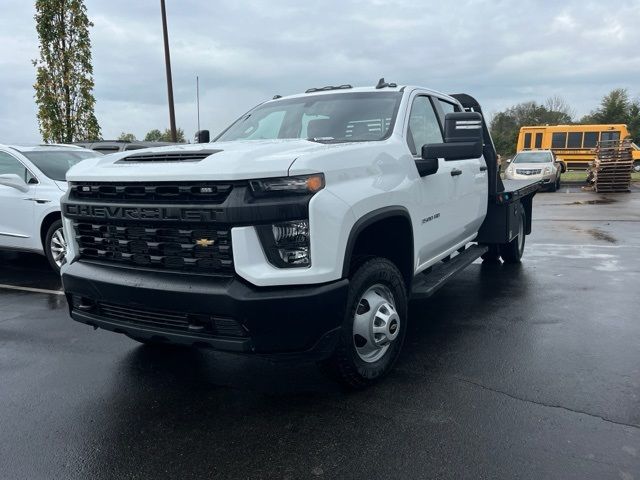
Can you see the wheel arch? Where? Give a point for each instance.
(395, 244)
(46, 223)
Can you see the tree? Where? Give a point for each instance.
(614, 108)
(64, 74)
(617, 107)
(505, 125)
(127, 137)
(156, 135)
(558, 111)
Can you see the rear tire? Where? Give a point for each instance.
(374, 326)
(512, 252)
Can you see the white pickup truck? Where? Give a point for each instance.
(301, 231)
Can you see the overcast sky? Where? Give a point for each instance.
(502, 52)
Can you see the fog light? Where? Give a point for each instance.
(287, 244)
(292, 242)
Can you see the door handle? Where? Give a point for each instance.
(38, 200)
(483, 168)
(456, 172)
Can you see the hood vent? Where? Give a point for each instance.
(165, 157)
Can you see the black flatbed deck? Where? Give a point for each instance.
(517, 189)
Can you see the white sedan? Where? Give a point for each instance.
(32, 180)
(538, 165)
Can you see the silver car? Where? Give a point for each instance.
(539, 165)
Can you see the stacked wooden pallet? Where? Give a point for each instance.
(611, 171)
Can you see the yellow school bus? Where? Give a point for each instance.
(574, 145)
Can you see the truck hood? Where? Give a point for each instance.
(239, 160)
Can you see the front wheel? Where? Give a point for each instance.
(512, 252)
(374, 326)
(55, 245)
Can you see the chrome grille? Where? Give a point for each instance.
(532, 171)
(198, 248)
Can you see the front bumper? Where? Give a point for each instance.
(545, 179)
(286, 322)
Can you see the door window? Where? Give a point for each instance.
(423, 125)
(447, 107)
(539, 140)
(9, 164)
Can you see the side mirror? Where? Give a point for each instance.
(202, 136)
(452, 151)
(463, 138)
(463, 127)
(427, 166)
(14, 181)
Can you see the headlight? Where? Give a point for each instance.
(547, 170)
(303, 184)
(286, 244)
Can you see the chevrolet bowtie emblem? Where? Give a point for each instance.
(204, 242)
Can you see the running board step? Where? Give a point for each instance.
(426, 284)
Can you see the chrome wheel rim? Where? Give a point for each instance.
(376, 323)
(58, 247)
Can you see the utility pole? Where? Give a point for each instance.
(198, 101)
(167, 60)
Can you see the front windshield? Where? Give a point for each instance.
(330, 118)
(55, 163)
(533, 157)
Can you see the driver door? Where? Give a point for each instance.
(436, 225)
(16, 207)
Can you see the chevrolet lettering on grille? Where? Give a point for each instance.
(139, 213)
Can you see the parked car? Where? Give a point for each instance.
(32, 180)
(535, 165)
(113, 146)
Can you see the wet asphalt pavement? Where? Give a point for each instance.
(525, 372)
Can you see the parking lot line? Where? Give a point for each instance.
(30, 289)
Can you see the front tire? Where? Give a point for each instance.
(55, 245)
(512, 252)
(374, 326)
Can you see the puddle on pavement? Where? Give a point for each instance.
(597, 201)
(601, 235)
(596, 233)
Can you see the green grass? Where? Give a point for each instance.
(581, 176)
